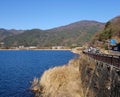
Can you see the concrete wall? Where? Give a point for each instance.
(99, 79)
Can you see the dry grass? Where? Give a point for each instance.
(63, 81)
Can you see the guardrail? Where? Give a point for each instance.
(110, 59)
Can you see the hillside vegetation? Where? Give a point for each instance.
(6, 33)
(110, 31)
(74, 34)
(62, 81)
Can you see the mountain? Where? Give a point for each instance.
(76, 33)
(110, 31)
(70, 35)
(6, 33)
(16, 32)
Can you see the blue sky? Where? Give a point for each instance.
(46, 14)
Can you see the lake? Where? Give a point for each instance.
(19, 67)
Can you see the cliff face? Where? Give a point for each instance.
(82, 77)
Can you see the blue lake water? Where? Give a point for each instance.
(18, 68)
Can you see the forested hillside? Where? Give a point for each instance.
(6, 33)
(74, 34)
(110, 31)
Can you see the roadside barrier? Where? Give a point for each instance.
(110, 59)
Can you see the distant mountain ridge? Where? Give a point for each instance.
(6, 33)
(69, 35)
(78, 24)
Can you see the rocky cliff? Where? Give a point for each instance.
(82, 77)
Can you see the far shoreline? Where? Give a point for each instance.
(71, 50)
(36, 49)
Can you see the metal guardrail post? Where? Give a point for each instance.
(119, 61)
(112, 60)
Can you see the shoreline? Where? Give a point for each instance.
(37, 49)
(71, 50)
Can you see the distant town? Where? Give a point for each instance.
(22, 47)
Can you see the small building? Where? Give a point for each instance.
(58, 47)
(21, 47)
(32, 47)
(1, 44)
